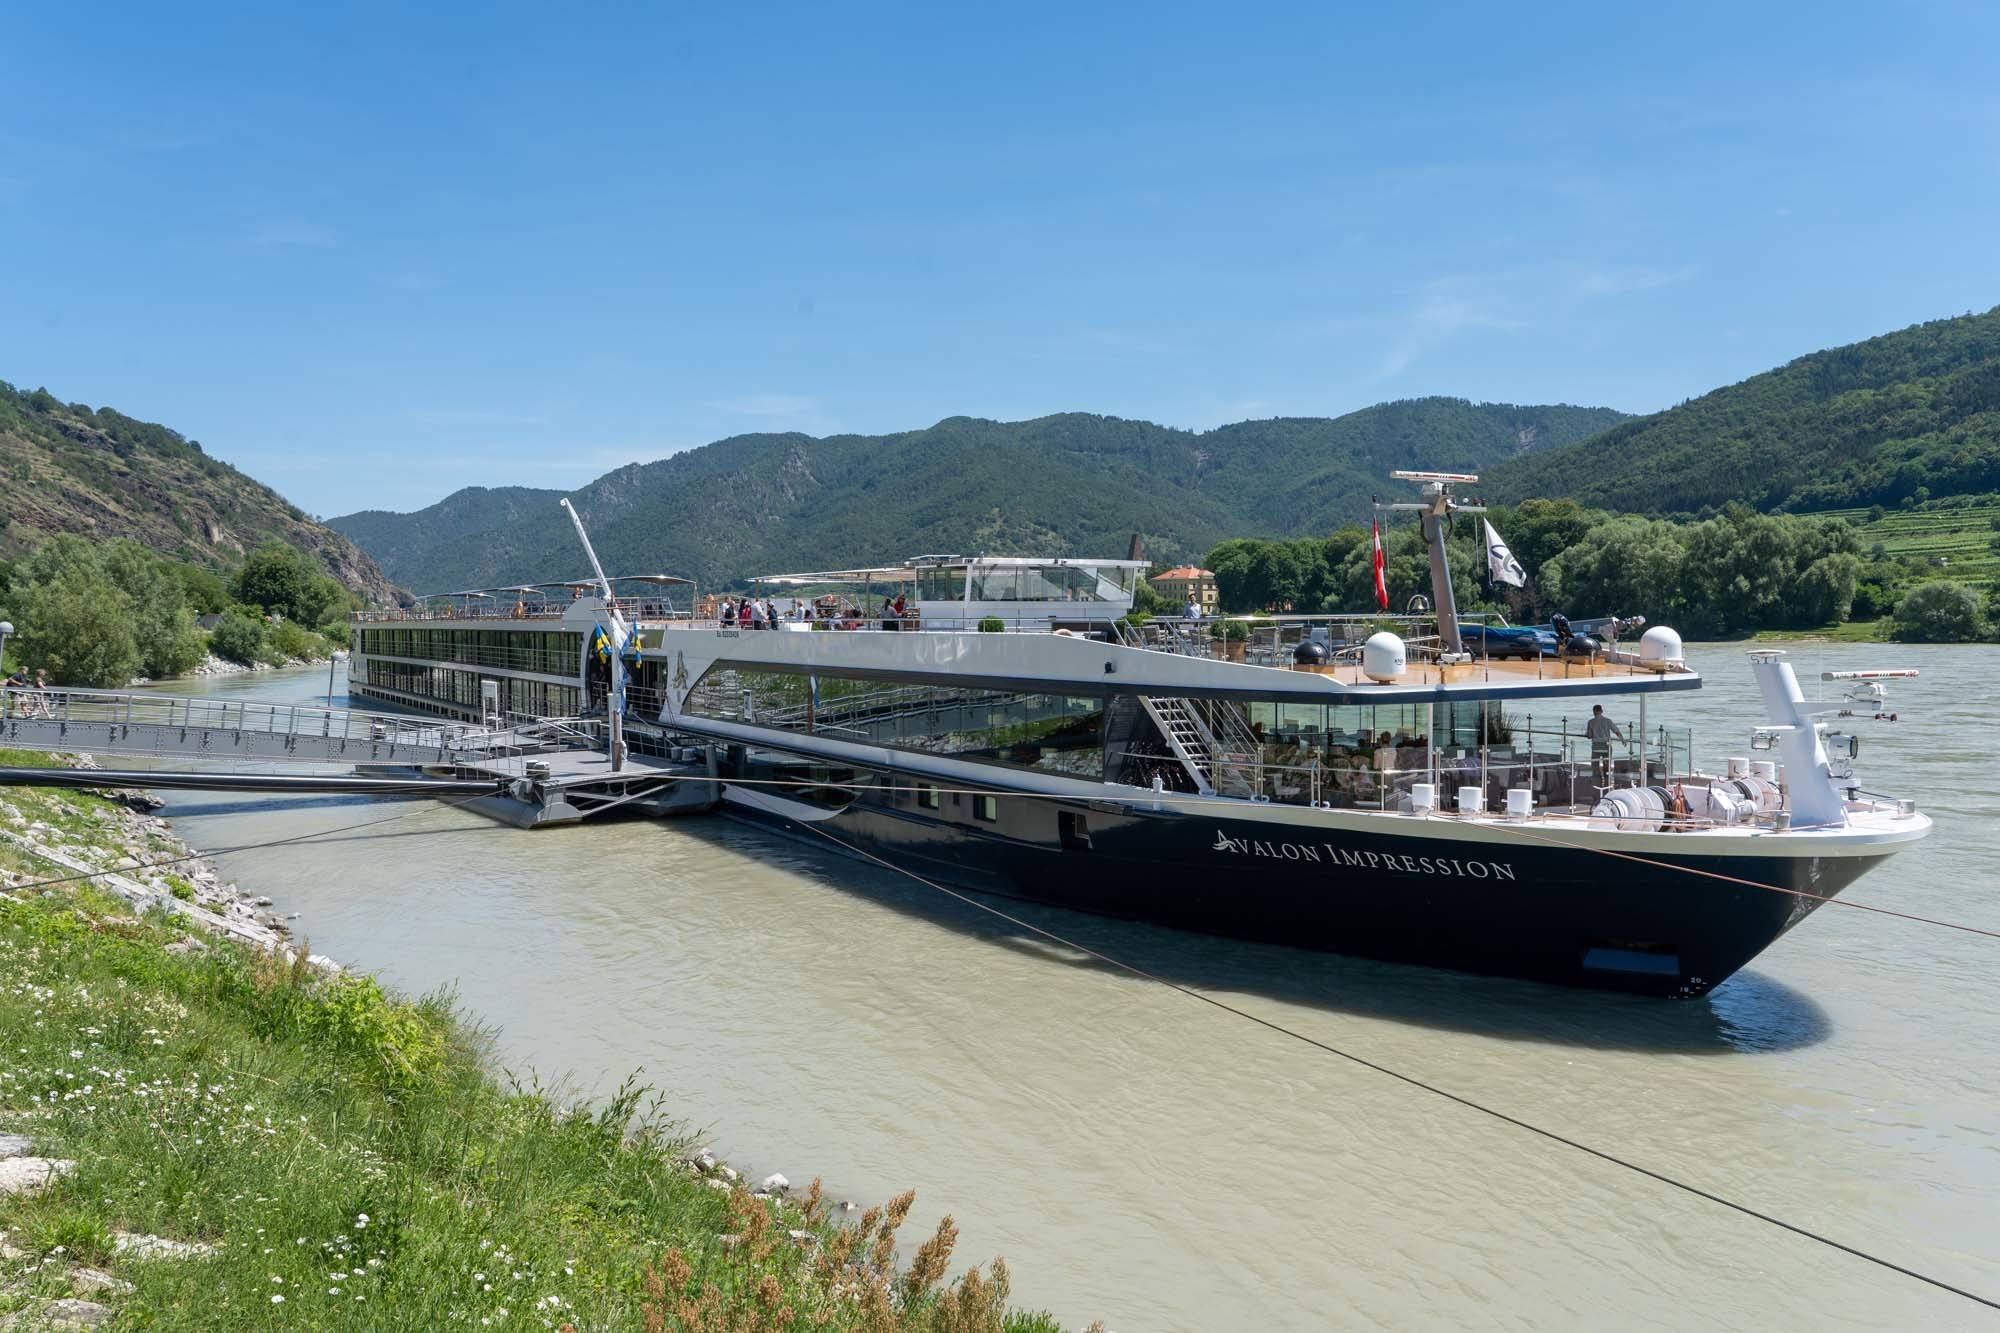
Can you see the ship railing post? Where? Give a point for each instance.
(1642, 742)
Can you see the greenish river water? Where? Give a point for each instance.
(1146, 1159)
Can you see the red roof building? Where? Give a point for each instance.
(1185, 581)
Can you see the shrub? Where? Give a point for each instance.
(1939, 612)
(1872, 601)
(288, 639)
(992, 625)
(238, 637)
(1233, 631)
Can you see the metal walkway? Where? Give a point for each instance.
(168, 726)
(544, 771)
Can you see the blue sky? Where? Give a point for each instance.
(371, 255)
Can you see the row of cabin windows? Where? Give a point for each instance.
(986, 808)
(1030, 583)
(461, 689)
(545, 652)
(1050, 733)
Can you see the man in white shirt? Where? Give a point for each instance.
(1600, 729)
(1192, 610)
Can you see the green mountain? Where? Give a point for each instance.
(101, 474)
(1910, 415)
(1075, 483)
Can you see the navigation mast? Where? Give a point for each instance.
(1436, 507)
(617, 648)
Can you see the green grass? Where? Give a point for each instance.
(351, 1152)
(1846, 631)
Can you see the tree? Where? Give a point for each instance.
(237, 636)
(204, 589)
(1939, 612)
(78, 625)
(285, 582)
(162, 625)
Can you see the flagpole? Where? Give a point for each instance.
(617, 649)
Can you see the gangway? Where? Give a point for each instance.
(165, 726)
(538, 771)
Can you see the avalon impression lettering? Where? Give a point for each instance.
(1326, 853)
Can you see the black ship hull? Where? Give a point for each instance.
(1502, 905)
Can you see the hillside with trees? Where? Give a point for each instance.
(1073, 483)
(101, 475)
(1893, 421)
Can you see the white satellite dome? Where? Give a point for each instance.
(1660, 647)
(1383, 657)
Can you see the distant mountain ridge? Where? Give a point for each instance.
(1072, 483)
(1913, 414)
(101, 474)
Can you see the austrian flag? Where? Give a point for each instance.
(1381, 583)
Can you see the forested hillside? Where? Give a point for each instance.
(1072, 483)
(1900, 418)
(100, 474)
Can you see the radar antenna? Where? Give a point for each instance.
(1435, 511)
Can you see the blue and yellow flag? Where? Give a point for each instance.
(600, 643)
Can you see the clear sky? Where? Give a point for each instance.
(370, 255)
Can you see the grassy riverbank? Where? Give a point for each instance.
(346, 1157)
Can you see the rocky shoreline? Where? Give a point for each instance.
(222, 666)
(134, 853)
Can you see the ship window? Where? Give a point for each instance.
(1053, 733)
(940, 585)
(1040, 585)
(996, 584)
(986, 808)
(928, 798)
(1074, 830)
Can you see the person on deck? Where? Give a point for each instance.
(729, 615)
(902, 610)
(1600, 729)
(756, 610)
(1192, 610)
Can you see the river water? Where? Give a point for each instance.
(1149, 1160)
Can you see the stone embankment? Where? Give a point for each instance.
(222, 666)
(130, 851)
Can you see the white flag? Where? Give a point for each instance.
(1501, 566)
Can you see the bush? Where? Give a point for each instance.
(1232, 631)
(992, 625)
(238, 637)
(1939, 612)
(1872, 601)
(288, 639)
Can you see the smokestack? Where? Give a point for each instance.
(1137, 551)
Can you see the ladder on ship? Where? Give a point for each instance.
(1213, 742)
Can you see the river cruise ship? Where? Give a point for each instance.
(1364, 785)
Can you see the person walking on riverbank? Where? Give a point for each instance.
(16, 687)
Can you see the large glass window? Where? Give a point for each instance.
(1051, 732)
(995, 584)
(936, 584)
(550, 653)
(1041, 585)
